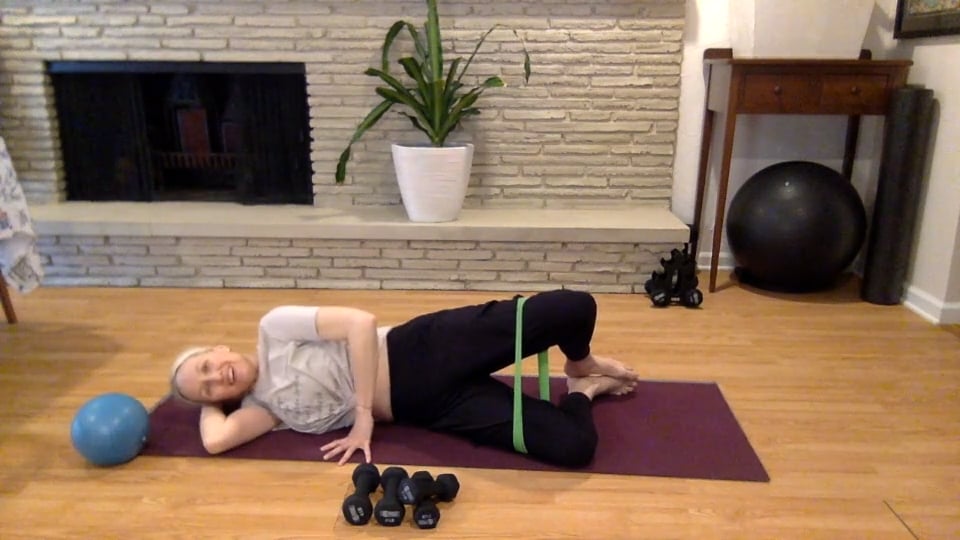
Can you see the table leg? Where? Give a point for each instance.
(7, 303)
(850, 147)
(705, 140)
(728, 133)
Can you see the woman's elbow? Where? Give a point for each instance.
(365, 319)
(362, 325)
(213, 448)
(215, 445)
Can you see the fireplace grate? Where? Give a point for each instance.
(183, 160)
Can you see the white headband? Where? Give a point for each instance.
(177, 363)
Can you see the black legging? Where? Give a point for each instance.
(440, 366)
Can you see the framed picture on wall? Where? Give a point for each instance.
(923, 18)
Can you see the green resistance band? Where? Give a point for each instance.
(543, 367)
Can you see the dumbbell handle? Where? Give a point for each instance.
(390, 511)
(367, 485)
(357, 507)
(409, 491)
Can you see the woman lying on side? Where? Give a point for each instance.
(318, 369)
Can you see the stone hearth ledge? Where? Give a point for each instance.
(644, 224)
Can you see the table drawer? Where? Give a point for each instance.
(866, 93)
(779, 93)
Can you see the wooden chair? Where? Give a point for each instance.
(7, 303)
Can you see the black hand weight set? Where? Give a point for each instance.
(421, 491)
(677, 281)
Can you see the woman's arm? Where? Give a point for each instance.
(356, 327)
(220, 432)
(359, 329)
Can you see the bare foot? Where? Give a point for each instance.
(600, 365)
(597, 385)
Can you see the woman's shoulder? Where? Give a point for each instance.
(289, 310)
(290, 322)
(252, 400)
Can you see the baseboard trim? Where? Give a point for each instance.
(930, 308)
(916, 300)
(951, 313)
(724, 262)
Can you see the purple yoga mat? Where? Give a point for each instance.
(674, 429)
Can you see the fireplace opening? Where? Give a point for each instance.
(184, 131)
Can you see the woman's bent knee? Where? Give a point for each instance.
(580, 306)
(575, 451)
(584, 303)
(581, 300)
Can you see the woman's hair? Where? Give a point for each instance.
(180, 359)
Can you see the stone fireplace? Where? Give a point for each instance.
(595, 128)
(189, 131)
(596, 124)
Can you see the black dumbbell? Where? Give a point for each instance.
(426, 514)
(389, 511)
(422, 486)
(357, 507)
(421, 489)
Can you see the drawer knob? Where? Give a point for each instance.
(777, 90)
(854, 90)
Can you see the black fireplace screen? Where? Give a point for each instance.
(152, 131)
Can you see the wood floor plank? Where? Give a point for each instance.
(853, 408)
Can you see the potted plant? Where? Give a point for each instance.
(433, 178)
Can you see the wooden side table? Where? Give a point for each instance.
(738, 86)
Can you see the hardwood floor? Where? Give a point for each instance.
(853, 408)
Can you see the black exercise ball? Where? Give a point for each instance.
(795, 226)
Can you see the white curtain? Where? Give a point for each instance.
(19, 260)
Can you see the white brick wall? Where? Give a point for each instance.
(596, 125)
(347, 264)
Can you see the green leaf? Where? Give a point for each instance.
(342, 166)
(483, 38)
(405, 99)
(456, 112)
(452, 84)
(414, 71)
(416, 124)
(493, 82)
(418, 42)
(475, 50)
(397, 86)
(388, 42)
(372, 118)
(435, 54)
(438, 111)
(526, 57)
(467, 100)
(472, 111)
(400, 94)
(402, 98)
(434, 46)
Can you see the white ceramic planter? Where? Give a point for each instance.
(799, 28)
(433, 181)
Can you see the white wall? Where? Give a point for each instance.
(934, 278)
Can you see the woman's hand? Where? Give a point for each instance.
(357, 439)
